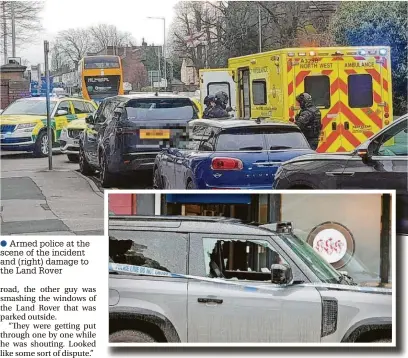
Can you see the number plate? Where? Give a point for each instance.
(76, 141)
(154, 134)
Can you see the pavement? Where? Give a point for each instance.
(37, 201)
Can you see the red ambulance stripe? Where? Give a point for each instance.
(350, 72)
(353, 140)
(368, 134)
(300, 77)
(343, 86)
(289, 65)
(327, 72)
(359, 58)
(376, 76)
(385, 84)
(334, 87)
(341, 149)
(385, 63)
(377, 97)
(356, 121)
(290, 88)
(375, 118)
(325, 119)
(329, 141)
(337, 59)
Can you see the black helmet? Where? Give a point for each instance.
(208, 99)
(221, 98)
(304, 99)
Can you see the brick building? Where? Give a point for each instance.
(13, 85)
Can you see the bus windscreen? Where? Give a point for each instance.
(96, 62)
(102, 86)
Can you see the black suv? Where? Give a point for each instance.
(127, 132)
(379, 163)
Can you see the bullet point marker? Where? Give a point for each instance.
(3, 243)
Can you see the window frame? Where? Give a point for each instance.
(328, 89)
(69, 107)
(83, 105)
(263, 81)
(350, 89)
(196, 251)
(220, 83)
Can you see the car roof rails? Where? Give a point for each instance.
(174, 218)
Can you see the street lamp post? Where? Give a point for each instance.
(164, 46)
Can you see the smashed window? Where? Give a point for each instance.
(240, 259)
(162, 251)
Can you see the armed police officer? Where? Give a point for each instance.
(309, 119)
(215, 106)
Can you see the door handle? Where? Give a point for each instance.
(334, 126)
(339, 174)
(209, 300)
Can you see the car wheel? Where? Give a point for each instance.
(84, 166)
(105, 177)
(41, 145)
(130, 337)
(73, 158)
(190, 185)
(157, 180)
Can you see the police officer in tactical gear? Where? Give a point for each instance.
(214, 107)
(309, 119)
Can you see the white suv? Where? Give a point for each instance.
(204, 279)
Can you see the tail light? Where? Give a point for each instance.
(226, 164)
(386, 115)
(386, 122)
(291, 119)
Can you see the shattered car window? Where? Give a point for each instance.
(240, 259)
(161, 251)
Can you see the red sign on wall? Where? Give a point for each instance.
(122, 204)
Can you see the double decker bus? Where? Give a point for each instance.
(100, 77)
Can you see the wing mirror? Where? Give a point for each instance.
(281, 274)
(89, 119)
(363, 154)
(62, 112)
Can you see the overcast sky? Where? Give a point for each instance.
(127, 15)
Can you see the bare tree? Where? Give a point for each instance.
(70, 46)
(26, 19)
(104, 35)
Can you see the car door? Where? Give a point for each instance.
(61, 121)
(255, 310)
(91, 137)
(387, 163)
(180, 157)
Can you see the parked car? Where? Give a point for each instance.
(213, 279)
(379, 163)
(229, 154)
(24, 122)
(128, 131)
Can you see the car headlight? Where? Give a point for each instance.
(26, 126)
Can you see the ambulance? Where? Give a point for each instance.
(351, 86)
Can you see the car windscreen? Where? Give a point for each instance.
(29, 107)
(261, 138)
(160, 109)
(322, 269)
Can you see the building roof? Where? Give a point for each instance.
(12, 67)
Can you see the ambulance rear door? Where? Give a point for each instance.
(364, 97)
(316, 73)
(215, 80)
